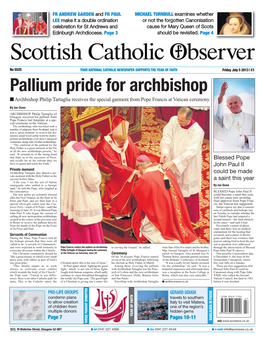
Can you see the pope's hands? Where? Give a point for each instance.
(222, 92)
(246, 138)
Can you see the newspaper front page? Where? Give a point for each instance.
(132, 163)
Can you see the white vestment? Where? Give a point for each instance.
(81, 178)
(153, 234)
(232, 127)
(184, 147)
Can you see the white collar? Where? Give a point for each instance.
(114, 146)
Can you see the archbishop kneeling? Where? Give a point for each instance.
(161, 215)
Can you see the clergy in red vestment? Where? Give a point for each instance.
(81, 207)
(118, 152)
(18, 23)
(41, 27)
(161, 215)
(29, 26)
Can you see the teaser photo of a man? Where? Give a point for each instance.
(28, 24)
(234, 118)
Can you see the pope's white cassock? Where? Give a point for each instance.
(231, 126)
(80, 194)
(184, 145)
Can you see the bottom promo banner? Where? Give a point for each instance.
(149, 309)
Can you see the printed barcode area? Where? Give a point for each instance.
(246, 306)
(234, 305)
